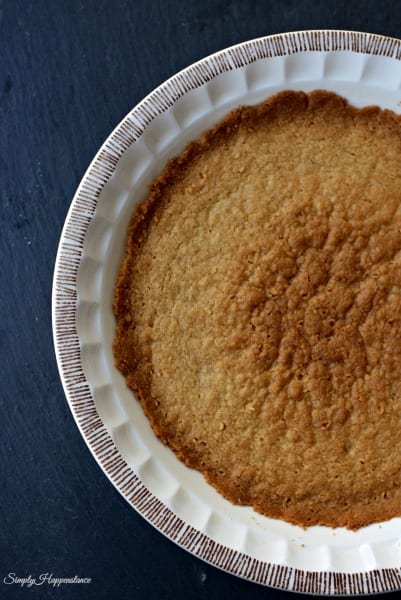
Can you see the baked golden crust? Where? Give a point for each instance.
(259, 309)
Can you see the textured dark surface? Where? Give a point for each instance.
(69, 72)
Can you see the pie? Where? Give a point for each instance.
(258, 309)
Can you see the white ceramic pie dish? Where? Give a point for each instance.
(364, 68)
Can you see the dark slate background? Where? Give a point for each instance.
(70, 71)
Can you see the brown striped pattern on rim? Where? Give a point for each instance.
(66, 339)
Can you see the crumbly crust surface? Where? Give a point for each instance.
(259, 309)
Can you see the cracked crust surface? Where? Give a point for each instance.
(259, 309)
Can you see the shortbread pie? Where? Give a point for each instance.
(258, 309)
